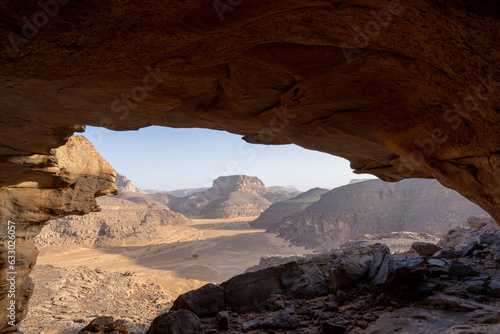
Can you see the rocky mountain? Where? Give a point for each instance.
(129, 218)
(229, 197)
(184, 192)
(374, 207)
(124, 184)
(282, 188)
(279, 211)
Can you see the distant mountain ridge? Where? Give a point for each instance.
(230, 197)
(281, 210)
(375, 207)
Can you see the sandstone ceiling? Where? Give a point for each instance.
(401, 89)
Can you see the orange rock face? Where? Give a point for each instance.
(400, 89)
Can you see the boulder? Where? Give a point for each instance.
(345, 270)
(204, 302)
(459, 269)
(446, 253)
(176, 322)
(425, 248)
(383, 267)
(251, 325)
(436, 263)
(470, 248)
(476, 285)
(303, 281)
(489, 239)
(280, 320)
(223, 320)
(104, 325)
(494, 286)
(244, 292)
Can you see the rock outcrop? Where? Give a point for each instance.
(230, 197)
(81, 174)
(399, 89)
(374, 207)
(372, 291)
(124, 184)
(278, 211)
(120, 222)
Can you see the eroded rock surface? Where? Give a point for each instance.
(375, 207)
(81, 175)
(414, 95)
(398, 293)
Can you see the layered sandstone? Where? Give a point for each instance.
(400, 89)
(79, 174)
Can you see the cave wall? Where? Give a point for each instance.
(401, 89)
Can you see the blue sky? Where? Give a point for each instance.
(167, 159)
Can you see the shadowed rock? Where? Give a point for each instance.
(176, 322)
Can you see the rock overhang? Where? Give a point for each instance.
(400, 89)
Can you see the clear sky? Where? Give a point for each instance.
(168, 159)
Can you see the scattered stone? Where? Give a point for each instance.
(476, 285)
(470, 248)
(279, 305)
(425, 248)
(281, 320)
(446, 253)
(489, 239)
(176, 322)
(345, 270)
(204, 302)
(251, 325)
(329, 328)
(105, 325)
(331, 306)
(494, 286)
(459, 269)
(436, 263)
(340, 297)
(223, 320)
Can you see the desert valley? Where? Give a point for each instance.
(134, 258)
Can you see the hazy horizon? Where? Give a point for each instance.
(193, 158)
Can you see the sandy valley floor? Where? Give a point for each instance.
(204, 251)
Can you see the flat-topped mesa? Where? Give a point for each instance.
(243, 183)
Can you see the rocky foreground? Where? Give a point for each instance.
(452, 287)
